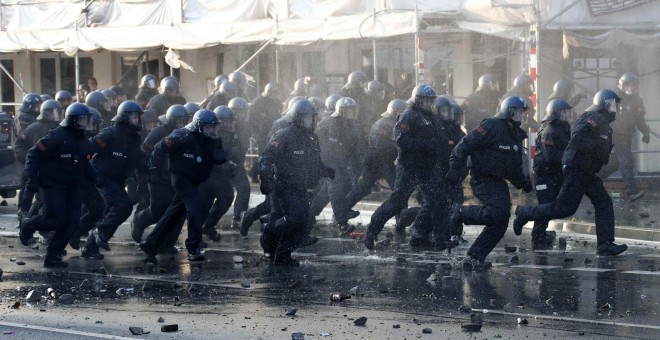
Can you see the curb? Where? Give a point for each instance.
(635, 233)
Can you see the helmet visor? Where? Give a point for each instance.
(518, 115)
(612, 105)
(81, 122)
(210, 130)
(179, 122)
(151, 83)
(133, 119)
(309, 122)
(566, 114)
(228, 125)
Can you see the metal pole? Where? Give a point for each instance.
(539, 98)
(12, 79)
(254, 55)
(416, 47)
(77, 61)
(277, 51)
(373, 46)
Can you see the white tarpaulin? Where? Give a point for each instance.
(190, 24)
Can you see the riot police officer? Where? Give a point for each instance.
(380, 155)
(342, 143)
(632, 118)
(481, 104)
(147, 90)
(587, 151)
(551, 141)
(50, 114)
(217, 190)
(263, 111)
(92, 201)
(289, 166)
(421, 144)
(228, 90)
(56, 167)
(563, 89)
(376, 103)
(192, 151)
(495, 150)
(120, 94)
(27, 113)
(354, 89)
(64, 98)
(239, 79)
(168, 95)
(100, 102)
(116, 154)
(217, 81)
(160, 189)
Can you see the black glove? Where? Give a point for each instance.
(328, 173)
(266, 186)
(527, 186)
(453, 176)
(228, 166)
(646, 138)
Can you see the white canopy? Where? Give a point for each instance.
(123, 25)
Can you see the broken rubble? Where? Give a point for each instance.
(291, 311)
(169, 328)
(238, 259)
(65, 299)
(32, 297)
(427, 331)
(361, 321)
(138, 330)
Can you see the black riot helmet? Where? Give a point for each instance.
(169, 87)
(486, 81)
(129, 113)
(457, 113)
(77, 116)
(112, 97)
(524, 84)
(51, 110)
(98, 101)
(119, 92)
(31, 103)
(45, 97)
(304, 115)
(148, 81)
(563, 88)
(177, 116)
(557, 109)
(513, 108)
(219, 79)
(442, 108)
(346, 107)
(271, 90)
(356, 79)
(318, 103)
(229, 90)
(192, 108)
(149, 120)
(64, 98)
(239, 79)
(375, 88)
(422, 97)
(205, 123)
(226, 118)
(95, 122)
(629, 82)
(299, 87)
(608, 101)
(331, 101)
(395, 108)
(239, 106)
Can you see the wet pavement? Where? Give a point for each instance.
(564, 292)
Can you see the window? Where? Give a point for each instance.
(7, 86)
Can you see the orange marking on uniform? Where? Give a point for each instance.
(481, 130)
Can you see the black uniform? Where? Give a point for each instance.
(454, 135)
(25, 140)
(378, 162)
(262, 113)
(551, 141)
(58, 165)
(160, 103)
(229, 178)
(144, 96)
(421, 144)
(360, 96)
(117, 154)
(191, 158)
(341, 142)
(587, 151)
(215, 100)
(631, 118)
(480, 105)
(495, 150)
(160, 187)
(292, 160)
